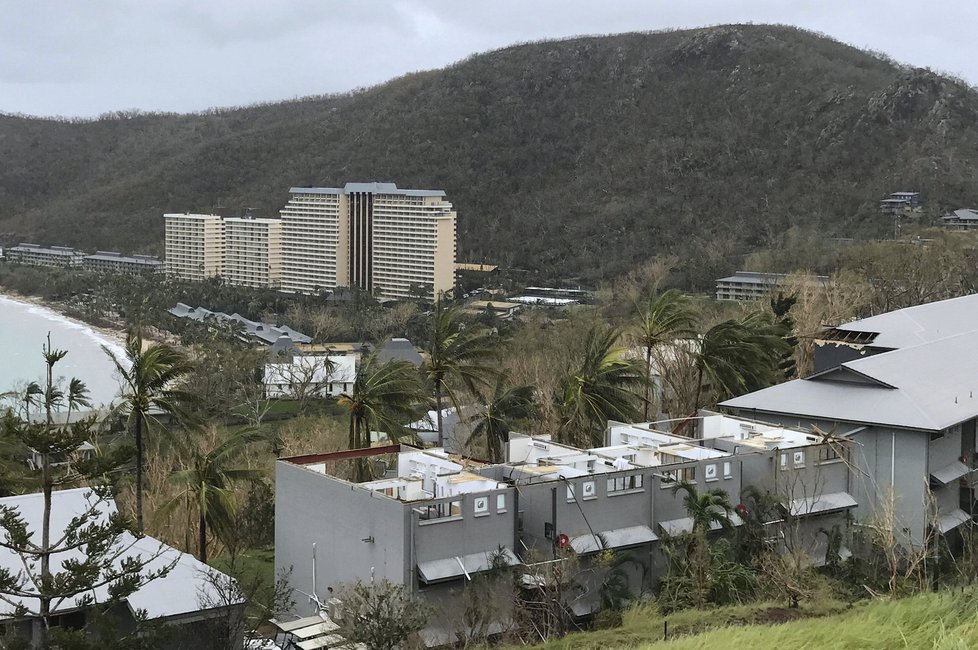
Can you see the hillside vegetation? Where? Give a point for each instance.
(577, 158)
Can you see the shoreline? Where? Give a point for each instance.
(113, 337)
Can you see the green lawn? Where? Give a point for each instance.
(644, 623)
(943, 621)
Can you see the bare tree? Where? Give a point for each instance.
(303, 379)
(382, 615)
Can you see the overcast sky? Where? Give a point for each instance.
(86, 57)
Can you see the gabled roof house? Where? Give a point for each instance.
(904, 386)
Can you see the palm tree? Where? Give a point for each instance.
(455, 354)
(385, 396)
(507, 403)
(738, 356)
(705, 508)
(208, 483)
(661, 320)
(601, 388)
(150, 378)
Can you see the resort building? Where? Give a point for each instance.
(901, 386)
(392, 242)
(271, 334)
(194, 246)
(900, 203)
(961, 219)
(112, 262)
(36, 255)
(252, 252)
(751, 285)
(433, 521)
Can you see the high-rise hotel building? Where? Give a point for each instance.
(194, 246)
(253, 252)
(374, 236)
(392, 242)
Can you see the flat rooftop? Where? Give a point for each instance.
(410, 474)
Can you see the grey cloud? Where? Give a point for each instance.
(83, 58)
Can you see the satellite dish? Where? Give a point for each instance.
(563, 541)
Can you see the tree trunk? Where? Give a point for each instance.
(139, 474)
(44, 610)
(699, 388)
(648, 379)
(203, 535)
(441, 431)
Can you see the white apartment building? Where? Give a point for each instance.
(252, 252)
(370, 235)
(314, 240)
(194, 246)
(36, 255)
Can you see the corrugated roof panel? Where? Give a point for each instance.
(816, 504)
(617, 538)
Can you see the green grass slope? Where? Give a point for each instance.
(577, 158)
(939, 621)
(947, 620)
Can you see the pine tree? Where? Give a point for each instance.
(93, 553)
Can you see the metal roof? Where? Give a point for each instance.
(401, 349)
(928, 387)
(453, 567)
(951, 473)
(815, 504)
(963, 214)
(950, 521)
(920, 324)
(374, 188)
(185, 589)
(616, 538)
(684, 525)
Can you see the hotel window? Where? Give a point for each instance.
(727, 470)
(500, 503)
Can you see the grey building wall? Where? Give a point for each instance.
(886, 460)
(337, 516)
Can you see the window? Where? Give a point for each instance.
(625, 483)
(784, 461)
(827, 454)
(500, 503)
(570, 492)
(799, 459)
(710, 472)
(727, 470)
(687, 474)
(480, 505)
(587, 490)
(444, 510)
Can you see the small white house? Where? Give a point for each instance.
(312, 375)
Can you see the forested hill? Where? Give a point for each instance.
(578, 158)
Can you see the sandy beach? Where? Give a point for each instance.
(25, 326)
(116, 336)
